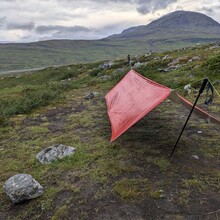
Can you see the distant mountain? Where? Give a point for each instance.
(177, 25)
(172, 31)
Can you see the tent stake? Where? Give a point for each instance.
(200, 92)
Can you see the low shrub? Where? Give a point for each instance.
(31, 98)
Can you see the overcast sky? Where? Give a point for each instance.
(33, 20)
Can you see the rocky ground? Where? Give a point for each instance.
(130, 178)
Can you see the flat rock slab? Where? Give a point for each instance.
(22, 187)
(54, 152)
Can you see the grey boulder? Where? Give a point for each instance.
(54, 152)
(22, 187)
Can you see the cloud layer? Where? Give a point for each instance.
(153, 5)
(32, 20)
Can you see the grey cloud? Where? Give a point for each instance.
(207, 10)
(75, 34)
(142, 6)
(143, 9)
(179, 8)
(113, 29)
(59, 28)
(2, 20)
(97, 1)
(21, 26)
(151, 6)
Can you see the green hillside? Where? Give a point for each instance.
(131, 178)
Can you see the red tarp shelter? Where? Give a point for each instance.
(134, 97)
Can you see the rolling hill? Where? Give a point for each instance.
(175, 30)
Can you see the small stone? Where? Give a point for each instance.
(147, 55)
(170, 68)
(91, 95)
(188, 88)
(195, 157)
(22, 187)
(196, 58)
(166, 57)
(178, 60)
(162, 70)
(105, 77)
(137, 65)
(54, 152)
(156, 58)
(199, 132)
(95, 93)
(106, 65)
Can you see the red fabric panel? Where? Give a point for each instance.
(175, 97)
(131, 99)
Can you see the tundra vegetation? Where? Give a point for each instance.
(132, 177)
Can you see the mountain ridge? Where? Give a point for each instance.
(172, 31)
(179, 20)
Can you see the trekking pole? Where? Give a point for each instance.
(200, 92)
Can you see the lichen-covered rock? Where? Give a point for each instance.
(54, 152)
(106, 65)
(188, 88)
(195, 58)
(183, 59)
(22, 187)
(91, 95)
(137, 65)
(105, 77)
(166, 57)
(170, 68)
